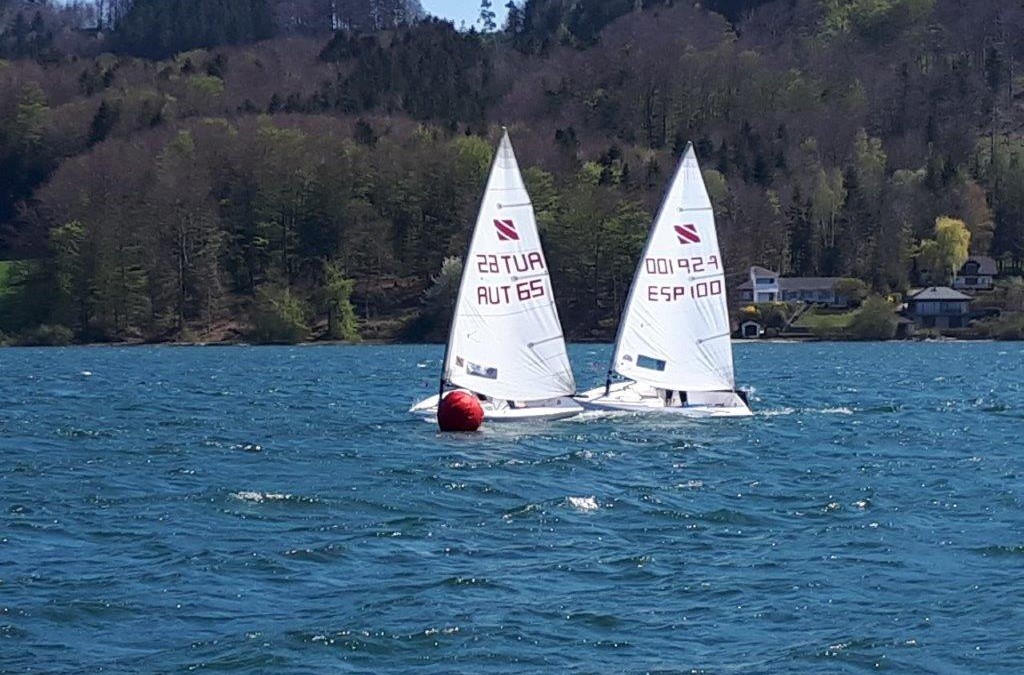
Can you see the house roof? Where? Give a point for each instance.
(986, 265)
(756, 271)
(798, 284)
(807, 283)
(941, 293)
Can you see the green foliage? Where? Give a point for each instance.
(31, 116)
(157, 28)
(430, 70)
(45, 336)
(206, 84)
(5, 273)
(1012, 291)
(439, 299)
(342, 323)
(157, 198)
(278, 317)
(1002, 161)
(831, 326)
(875, 320)
(854, 289)
(1008, 326)
(444, 289)
(943, 256)
(103, 122)
(875, 20)
(774, 315)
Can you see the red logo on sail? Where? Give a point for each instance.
(506, 230)
(688, 234)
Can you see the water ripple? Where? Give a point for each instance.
(276, 510)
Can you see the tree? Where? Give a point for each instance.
(341, 316)
(487, 16)
(158, 29)
(514, 19)
(944, 255)
(853, 289)
(279, 317)
(103, 122)
(875, 320)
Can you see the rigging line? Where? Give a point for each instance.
(522, 311)
(538, 275)
(710, 275)
(713, 337)
(545, 340)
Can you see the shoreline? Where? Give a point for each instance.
(395, 343)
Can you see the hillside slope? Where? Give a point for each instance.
(302, 178)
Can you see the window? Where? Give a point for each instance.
(650, 363)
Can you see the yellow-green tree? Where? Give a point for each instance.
(942, 256)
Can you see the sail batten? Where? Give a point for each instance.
(506, 339)
(676, 314)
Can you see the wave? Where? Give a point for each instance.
(583, 504)
(320, 554)
(255, 497)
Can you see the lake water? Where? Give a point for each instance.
(275, 510)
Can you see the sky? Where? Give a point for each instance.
(463, 10)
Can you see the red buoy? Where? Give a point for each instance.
(459, 410)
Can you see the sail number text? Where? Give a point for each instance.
(505, 294)
(509, 264)
(674, 266)
(698, 264)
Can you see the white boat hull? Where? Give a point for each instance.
(635, 397)
(502, 411)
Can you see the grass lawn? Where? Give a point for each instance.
(826, 322)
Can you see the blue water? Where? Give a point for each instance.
(275, 510)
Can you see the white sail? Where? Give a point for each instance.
(506, 340)
(675, 331)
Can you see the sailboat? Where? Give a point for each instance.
(673, 350)
(505, 344)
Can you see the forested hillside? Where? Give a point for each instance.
(277, 170)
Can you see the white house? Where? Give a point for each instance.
(977, 274)
(766, 284)
(770, 287)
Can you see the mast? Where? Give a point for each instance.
(505, 339)
(640, 267)
(674, 330)
(462, 286)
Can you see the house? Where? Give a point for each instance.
(977, 274)
(751, 329)
(773, 288)
(766, 282)
(939, 307)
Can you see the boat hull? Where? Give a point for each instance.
(500, 411)
(636, 397)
